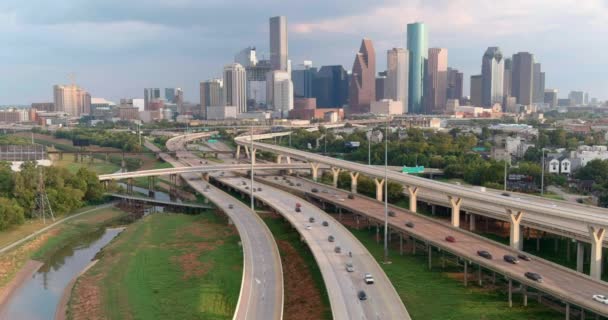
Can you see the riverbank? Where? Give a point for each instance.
(172, 266)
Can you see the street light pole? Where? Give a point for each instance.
(252, 156)
(542, 174)
(505, 177)
(386, 190)
(369, 147)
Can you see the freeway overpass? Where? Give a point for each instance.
(584, 223)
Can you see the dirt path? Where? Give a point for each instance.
(30, 267)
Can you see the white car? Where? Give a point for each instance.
(600, 298)
(308, 227)
(368, 278)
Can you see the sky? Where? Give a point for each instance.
(115, 48)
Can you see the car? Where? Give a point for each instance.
(314, 190)
(349, 267)
(368, 278)
(298, 204)
(331, 239)
(298, 209)
(247, 188)
(260, 189)
(391, 213)
(244, 183)
(510, 259)
(505, 194)
(297, 184)
(523, 257)
(600, 298)
(325, 224)
(324, 191)
(308, 227)
(409, 224)
(351, 196)
(230, 206)
(276, 178)
(337, 249)
(450, 239)
(362, 295)
(534, 276)
(484, 254)
(311, 219)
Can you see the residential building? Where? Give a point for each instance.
(455, 84)
(437, 80)
(417, 45)
(278, 43)
(330, 87)
(476, 90)
(210, 95)
(235, 87)
(363, 81)
(522, 82)
(397, 64)
(150, 95)
(72, 100)
(44, 106)
(492, 73)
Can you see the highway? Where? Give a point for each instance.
(567, 219)
(261, 295)
(558, 281)
(383, 301)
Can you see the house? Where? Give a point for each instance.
(553, 165)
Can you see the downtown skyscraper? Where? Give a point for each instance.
(417, 44)
(397, 65)
(436, 86)
(278, 43)
(492, 73)
(522, 78)
(363, 80)
(235, 87)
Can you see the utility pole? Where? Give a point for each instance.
(43, 204)
(252, 156)
(386, 190)
(505, 178)
(542, 174)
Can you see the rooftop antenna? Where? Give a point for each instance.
(43, 205)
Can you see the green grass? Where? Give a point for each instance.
(172, 266)
(434, 295)
(282, 230)
(99, 167)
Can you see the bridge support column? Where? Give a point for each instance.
(400, 243)
(597, 237)
(466, 273)
(567, 311)
(130, 186)
(510, 293)
(237, 155)
(515, 236)
(580, 255)
(288, 159)
(377, 233)
(314, 170)
(430, 252)
(151, 184)
(246, 151)
(336, 174)
(525, 292)
(279, 158)
(354, 176)
(253, 151)
(455, 202)
(205, 176)
(471, 222)
(379, 189)
(413, 191)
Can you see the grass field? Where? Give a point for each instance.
(99, 166)
(436, 295)
(171, 267)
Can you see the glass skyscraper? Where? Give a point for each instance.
(417, 44)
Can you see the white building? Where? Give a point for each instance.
(246, 57)
(221, 112)
(397, 76)
(280, 92)
(235, 87)
(386, 106)
(72, 100)
(584, 154)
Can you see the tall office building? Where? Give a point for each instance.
(437, 80)
(455, 84)
(492, 72)
(235, 87)
(507, 79)
(246, 57)
(282, 92)
(256, 83)
(539, 84)
(150, 95)
(174, 95)
(72, 100)
(330, 87)
(551, 97)
(476, 90)
(278, 43)
(397, 64)
(303, 80)
(577, 97)
(211, 95)
(363, 81)
(381, 84)
(417, 45)
(522, 82)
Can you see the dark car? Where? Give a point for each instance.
(325, 223)
(230, 206)
(276, 178)
(311, 220)
(450, 239)
(484, 254)
(298, 184)
(409, 224)
(523, 257)
(391, 213)
(362, 295)
(337, 249)
(506, 194)
(331, 238)
(260, 189)
(298, 204)
(314, 190)
(351, 196)
(510, 259)
(298, 209)
(534, 276)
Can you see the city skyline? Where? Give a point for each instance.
(43, 48)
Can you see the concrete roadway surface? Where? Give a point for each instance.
(559, 281)
(261, 295)
(382, 302)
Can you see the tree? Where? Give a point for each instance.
(10, 213)
(93, 190)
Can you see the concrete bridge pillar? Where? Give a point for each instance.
(413, 191)
(336, 174)
(237, 155)
(130, 186)
(455, 202)
(279, 158)
(597, 237)
(379, 189)
(205, 176)
(288, 159)
(471, 222)
(314, 170)
(515, 235)
(246, 152)
(253, 151)
(354, 176)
